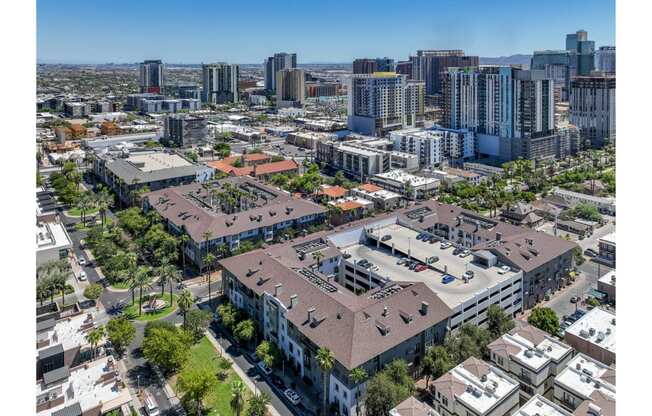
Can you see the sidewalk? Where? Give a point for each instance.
(135, 400)
(523, 316)
(245, 378)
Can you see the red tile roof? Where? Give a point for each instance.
(369, 187)
(334, 191)
(349, 205)
(275, 167)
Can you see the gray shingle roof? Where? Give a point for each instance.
(72, 410)
(128, 172)
(55, 375)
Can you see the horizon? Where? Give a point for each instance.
(177, 33)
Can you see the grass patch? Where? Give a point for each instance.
(75, 212)
(204, 355)
(131, 311)
(120, 285)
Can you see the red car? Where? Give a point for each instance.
(420, 268)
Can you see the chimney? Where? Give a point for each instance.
(424, 308)
(293, 301)
(311, 314)
(385, 310)
(499, 236)
(277, 289)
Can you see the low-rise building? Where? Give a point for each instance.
(531, 356)
(522, 214)
(483, 169)
(412, 407)
(594, 334)
(306, 139)
(52, 242)
(475, 387)
(540, 406)
(607, 285)
(604, 205)
(607, 249)
(586, 383)
(185, 130)
(410, 186)
(258, 165)
(95, 388)
(349, 209)
(259, 213)
(435, 145)
(383, 199)
(152, 169)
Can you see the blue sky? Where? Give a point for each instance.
(194, 31)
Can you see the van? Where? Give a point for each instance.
(150, 406)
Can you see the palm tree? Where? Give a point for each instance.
(325, 361)
(168, 275)
(94, 337)
(185, 303)
(132, 260)
(208, 260)
(318, 256)
(183, 239)
(357, 376)
(42, 291)
(103, 201)
(143, 279)
(237, 394)
(207, 236)
(84, 203)
(258, 404)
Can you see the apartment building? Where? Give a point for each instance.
(152, 169)
(586, 384)
(607, 249)
(383, 199)
(594, 335)
(593, 108)
(436, 144)
(152, 76)
(260, 212)
(428, 66)
(540, 406)
(410, 186)
(220, 83)
(308, 139)
(604, 205)
(412, 407)
(475, 388)
(185, 130)
(301, 306)
(275, 63)
(290, 88)
(532, 357)
(94, 388)
(384, 101)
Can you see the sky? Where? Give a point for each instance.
(195, 31)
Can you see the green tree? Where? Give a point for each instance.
(167, 348)
(578, 257)
(195, 383)
(229, 315)
(237, 396)
(196, 323)
(498, 322)
(357, 376)
(469, 341)
(185, 302)
(93, 291)
(317, 256)
(438, 362)
(257, 405)
(545, 319)
(382, 394)
(268, 353)
(120, 331)
(143, 280)
(325, 362)
(245, 331)
(398, 372)
(168, 275)
(94, 337)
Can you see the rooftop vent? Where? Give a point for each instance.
(294, 299)
(424, 308)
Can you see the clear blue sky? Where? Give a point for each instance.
(194, 31)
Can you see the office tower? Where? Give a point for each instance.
(573, 38)
(605, 59)
(365, 66)
(290, 87)
(275, 63)
(152, 76)
(534, 104)
(385, 65)
(593, 108)
(381, 102)
(185, 130)
(428, 66)
(582, 53)
(404, 68)
(220, 83)
(557, 66)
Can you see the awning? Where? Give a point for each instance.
(597, 294)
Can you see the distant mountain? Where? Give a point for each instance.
(518, 59)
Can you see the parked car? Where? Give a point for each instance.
(447, 278)
(457, 251)
(150, 406)
(81, 260)
(503, 269)
(445, 245)
(575, 299)
(386, 237)
(292, 396)
(432, 259)
(278, 382)
(401, 261)
(432, 240)
(346, 255)
(420, 267)
(465, 253)
(420, 236)
(413, 265)
(468, 274)
(264, 369)
(589, 252)
(82, 276)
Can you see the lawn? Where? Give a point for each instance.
(75, 212)
(217, 401)
(131, 311)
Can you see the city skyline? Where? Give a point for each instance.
(487, 30)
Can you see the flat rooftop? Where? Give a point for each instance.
(540, 406)
(404, 177)
(404, 240)
(608, 278)
(609, 238)
(51, 235)
(477, 384)
(69, 332)
(583, 375)
(598, 327)
(151, 162)
(97, 383)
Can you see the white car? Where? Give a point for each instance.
(445, 245)
(503, 269)
(264, 369)
(292, 396)
(82, 276)
(468, 275)
(465, 253)
(151, 407)
(81, 261)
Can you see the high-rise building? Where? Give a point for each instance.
(290, 87)
(557, 66)
(605, 59)
(220, 83)
(384, 101)
(582, 50)
(593, 108)
(152, 76)
(534, 104)
(364, 66)
(404, 68)
(429, 65)
(185, 130)
(385, 65)
(275, 63)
